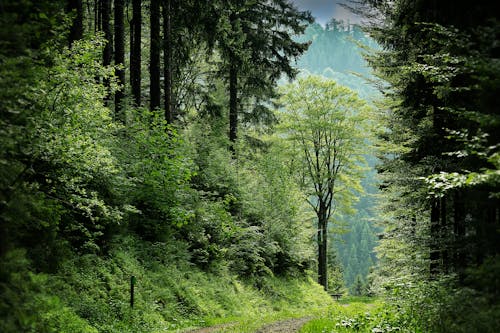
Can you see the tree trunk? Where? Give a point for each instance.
(106, 28)
(233, 103)
(459, 231)
(167, 60)
(443, 236)
(135, 52)
(434, 239)
(154, 65)
(97, 15)
(76, 29)
(322, 248)
(119, 58)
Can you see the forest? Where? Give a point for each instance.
(235, 166)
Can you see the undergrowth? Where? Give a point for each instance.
(91, 293)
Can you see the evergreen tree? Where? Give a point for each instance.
(154, 56)
(256, 43)
(135, 51)
(119, 57)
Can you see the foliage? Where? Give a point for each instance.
(170, 294)
(373, 317)
(327, 126)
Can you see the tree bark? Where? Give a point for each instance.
(434, 239)
(154, 65)
(135, 52)
(119, 58)
(167, 60)
(459, 231)
(322, 248)
(444, 245)
(233, 104)
(106, 28)
(76, 29)
(97, 15)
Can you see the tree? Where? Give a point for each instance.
(119, 57)
(106, 28)
(257, 46)
(135, 51)
(440, 62)
(327, 124)
(76, 30)
(359, 287)
(167, 59)
(154, 62)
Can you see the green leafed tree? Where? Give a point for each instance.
(327, 126)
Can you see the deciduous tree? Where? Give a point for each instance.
(328, 126)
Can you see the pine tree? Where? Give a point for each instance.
(135, 51)
(119, 57)
(258, 53)
(154, 54)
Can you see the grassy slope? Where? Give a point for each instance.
(91, 294)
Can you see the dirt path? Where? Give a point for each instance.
(285, 326)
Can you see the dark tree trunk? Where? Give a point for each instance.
(322, 247)
(459, 231)
(135, 52)
(154, 65)
(119, 58)
(233, 103)
(76, 29)
(434, 238)
(444, 245)
(106, 28)
(97, 15)
(167, 60)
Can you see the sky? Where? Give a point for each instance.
(324, 10)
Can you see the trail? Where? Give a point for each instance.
(284, 326)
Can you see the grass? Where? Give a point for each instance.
(352, 314)
(90, 293)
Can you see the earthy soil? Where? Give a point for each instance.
(285, 326)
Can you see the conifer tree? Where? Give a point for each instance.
(154, 61)
(119, 57)
(135, 51)
(257, 45)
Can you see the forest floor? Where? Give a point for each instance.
(325, 320)
(282, 326)
(285, 326)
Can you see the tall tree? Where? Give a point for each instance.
(167, 59)
(119, 57)
(328, 125)
(439, 58)
(154, 61)
(106, 28)
(75, 8)
(256, 41)
(135, 51)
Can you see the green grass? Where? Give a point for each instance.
(90, 293)
(353, 314)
